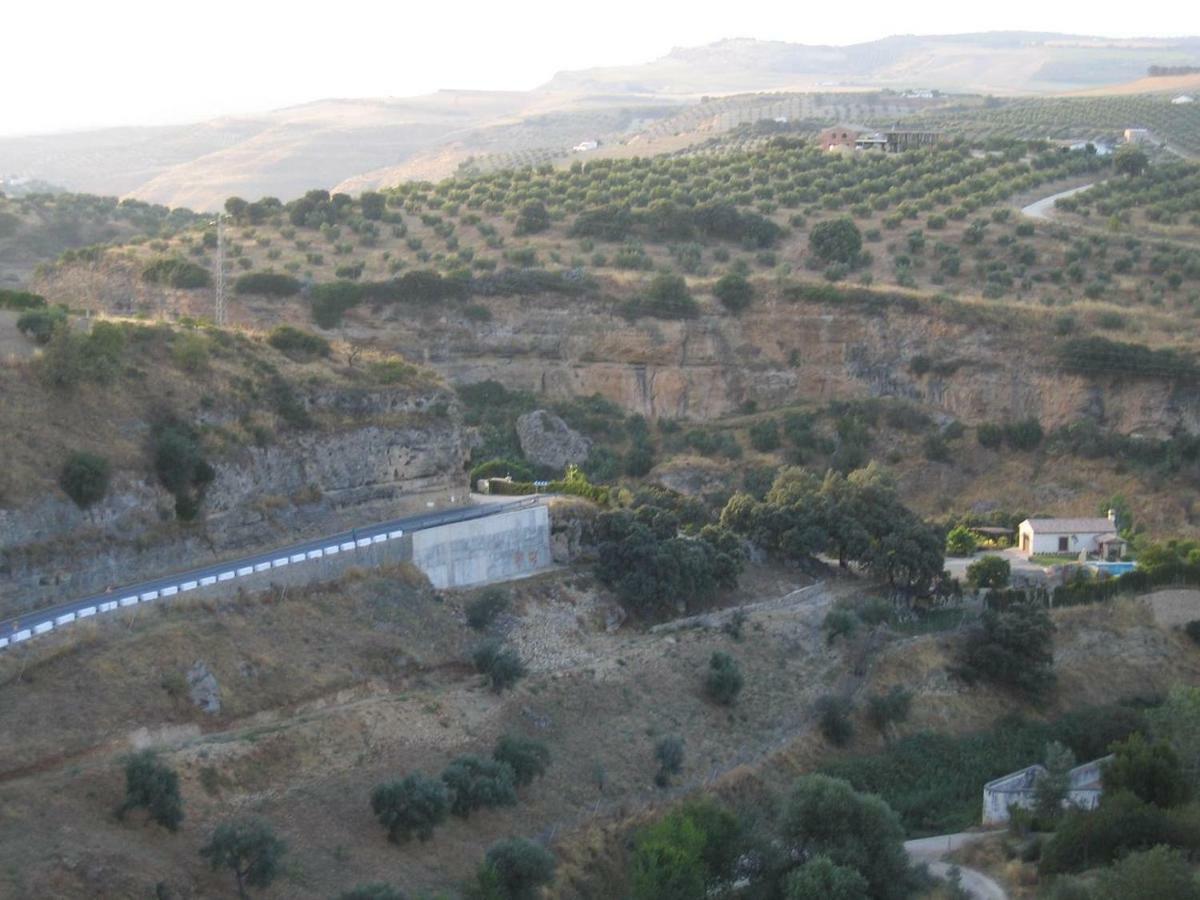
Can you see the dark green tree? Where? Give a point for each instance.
(414, 805)
(1149, 771)
(532, 219)
(1013, 648)
(515, 869)
(669, 754)
(819, 878)
(153, 786)
(836, 241)
(500, 664)
(474, 783)
(989, 572)
(249, 848)
(734, 291)
(885, 711)
(1130, 159)
(528, 758)
(84, 478)
(826, 817)
(723, 680)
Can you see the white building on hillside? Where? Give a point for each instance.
(1090, 537)
(1182, 99)
(1017, 790)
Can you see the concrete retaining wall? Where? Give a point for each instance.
(497, 548)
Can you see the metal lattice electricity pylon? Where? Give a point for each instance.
(219, 304)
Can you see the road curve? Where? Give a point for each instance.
(21, 628)
(1040, 209)
(929, 851)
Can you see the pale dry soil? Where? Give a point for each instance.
(326, 692)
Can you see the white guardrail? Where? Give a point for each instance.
(190, 583)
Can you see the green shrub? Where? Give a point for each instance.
(331, 301)
(21, 301)
(836, 241)
(474, 783)
(153, 786)
(40, 324)
(84, 478)
(961, 541)
(669, 754)
(833, 718)
(514, 869)
(723, 681)
(177, 273)
(1013, 648)
(249, 848)
(885, 711)
(268, 284)
(501, 664)
(989, 572)
(764, 435)
(482, 611)
(415, 805)
(734, 292)
(529, 759)
(298, 345)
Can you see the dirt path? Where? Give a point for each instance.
(1041, 209)
(931, 850)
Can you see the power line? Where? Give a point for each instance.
(219, 304)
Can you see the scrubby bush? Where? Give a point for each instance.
(415, 805)
(330, 302)
(501, 664)
(475, 783)
(669, 754)
(1013, 648)
(764, 435)
(734, 292)
(40, 324)
(482, 611)
(528, 758)
(833, 718)
(961, 541)
(250, 849)
(177, 273)
(84, 478)
(514, 869)
(885, 711)
(989, 572)
(298, 345)
(836, 241)
(153, 786)
(723, 681)
(268, 284)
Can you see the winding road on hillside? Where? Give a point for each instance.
(930, 851)
(1040, 209)
(17, 630)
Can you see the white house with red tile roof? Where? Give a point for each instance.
(1062, 537)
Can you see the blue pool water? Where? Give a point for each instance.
(1114, 568)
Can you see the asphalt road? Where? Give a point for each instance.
(930, 851)
(21, 628)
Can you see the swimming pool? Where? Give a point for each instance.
(1113, 568)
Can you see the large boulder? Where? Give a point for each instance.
(203, 687)
(547, 440)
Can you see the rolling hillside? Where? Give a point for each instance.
(363, 143)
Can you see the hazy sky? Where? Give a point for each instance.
(68, 65)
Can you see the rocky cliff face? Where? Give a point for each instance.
(407, 452)
(990, 366)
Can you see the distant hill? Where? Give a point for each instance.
(995, 62)
(359, 143)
